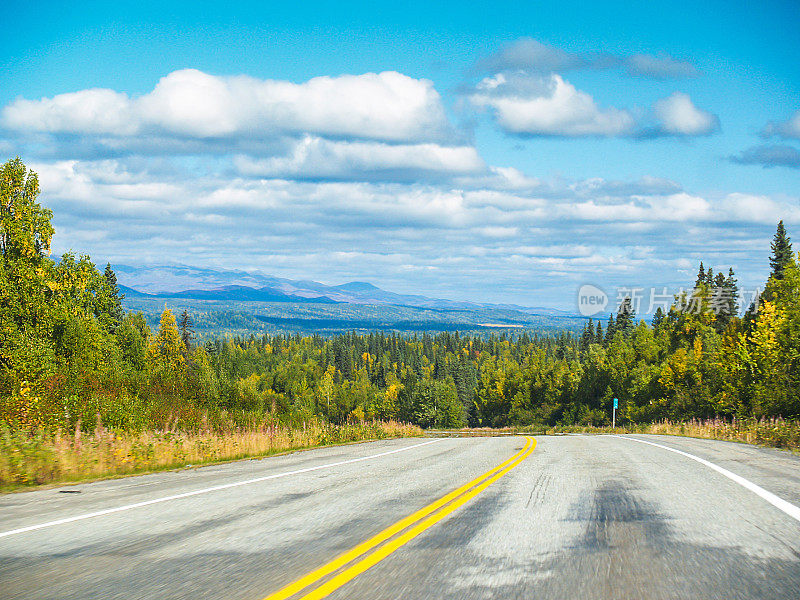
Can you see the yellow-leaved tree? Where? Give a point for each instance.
(166, 352)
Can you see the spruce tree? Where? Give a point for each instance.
(587, 337)
(732, 289)
(781, 252)
(625, 316)
(727, 303)
(114, 298)
(185, 325)
(610, 330)
(701, 275)
(658, 318)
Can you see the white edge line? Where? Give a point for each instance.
(779, 503)
(215, 488)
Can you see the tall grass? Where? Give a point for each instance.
(42, 456)
(774, 432)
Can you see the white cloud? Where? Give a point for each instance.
(385, 106)
(94, 111)
(677, 115)
(679, 208)
(500, 178)
(531, 105)
(499, 232)
(544, 106)
(318, 158)
(528, 96)
(757, 209)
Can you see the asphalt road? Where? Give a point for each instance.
(579, 517)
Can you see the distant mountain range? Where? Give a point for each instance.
(195, 283)
(230, 293)
(239, 303)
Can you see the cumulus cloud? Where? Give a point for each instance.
(531, 55)
(785, 129)
(677, 115)
(314, 158)
(93, 111)
(528, 96)
(770, 155)
(756, 209)
(191, 104)
(547, 106)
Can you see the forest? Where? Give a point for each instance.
(70, 354)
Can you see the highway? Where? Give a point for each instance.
(572, 517)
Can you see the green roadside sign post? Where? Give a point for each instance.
(614, 414)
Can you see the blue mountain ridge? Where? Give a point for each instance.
(187, 282)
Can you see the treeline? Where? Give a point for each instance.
(69, 354)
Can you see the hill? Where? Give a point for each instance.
(239, 302)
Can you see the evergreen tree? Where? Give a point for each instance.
(111, 301)
(625, 316)
(732, 288)
(781, 252)
(658, 318)
(598, 336)
(185, 325)
(610, 330)
(701, 275)
(587, 337)
(725, 300)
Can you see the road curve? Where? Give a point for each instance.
(573, 517)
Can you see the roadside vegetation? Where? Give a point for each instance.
(773, 432)
(72, 360)
(56, 456)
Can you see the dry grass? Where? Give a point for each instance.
(42, 457)
(774, 432)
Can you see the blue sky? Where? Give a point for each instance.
(425, 147)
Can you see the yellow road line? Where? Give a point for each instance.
(387, 533)
(384, 551)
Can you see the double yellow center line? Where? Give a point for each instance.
(421, 520)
